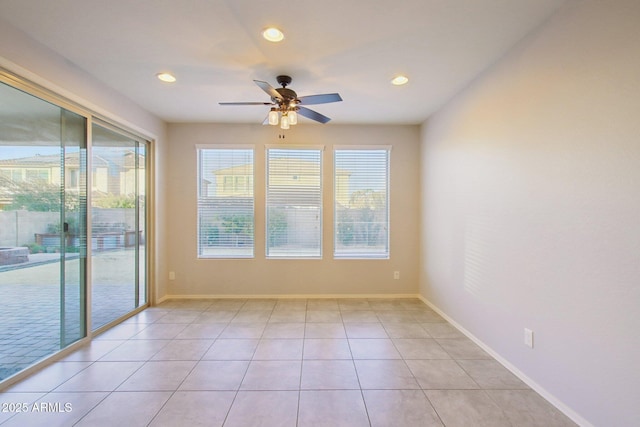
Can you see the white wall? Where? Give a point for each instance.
(531, 209)
(259, 276)
(22, 56)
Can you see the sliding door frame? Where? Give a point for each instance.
(13, 80)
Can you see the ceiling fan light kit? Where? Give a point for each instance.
(286, 105)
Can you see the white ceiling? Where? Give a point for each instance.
(215, 49)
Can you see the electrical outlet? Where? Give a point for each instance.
(172, 275)
(396, 275)
(528, 337)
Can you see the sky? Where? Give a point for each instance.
(15, 152)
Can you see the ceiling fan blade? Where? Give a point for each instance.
(320, 99)
(269, 89)
(245, 103)
(313, 115)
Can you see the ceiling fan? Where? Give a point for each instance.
(286, 105)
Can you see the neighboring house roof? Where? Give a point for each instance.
(53, 160)
(40, 161)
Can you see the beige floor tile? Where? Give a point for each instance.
(329, 375)
(231, 349)
(326, 348)
(158, 376)
(282, 362)
(385, 304)
(57, 410)
(259, 304)
(278, 349)
(385, 375)
(150, 315)
(12, 399)
(217, 316)
(405, 330)
(101, 376)
(49, 378)
(183, 350)
(263, 409)
(464, 408)
(284, 330)
(243, 330)
(135, 350)
(129, 409)
(324, 330)
(160, 331)
(92, 351)
(427, 316)
(440, 374)
(489, 374)
(231, 304)
(335, 408)
(359, 316)
(420, 348)
(390, 317)
(287, 316)
(365, 330)
(122, 331)
(195, 408)
(462, 348)
(201, 331)
(373, 349)
(442, 330)
(252, 316)
(293, 304)
(272, 375)
(182, 305)
(216, 375)
(526, 408)
(353, 304)
(400, 408)
(322, 304)
(179, 317)
(323, 316)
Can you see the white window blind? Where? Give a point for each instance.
(361, 203)
(294, 203)
(225, 203)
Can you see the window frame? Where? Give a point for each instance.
(320, 149)
(356, 255)
(200, 148)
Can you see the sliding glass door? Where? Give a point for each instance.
(118, 213)
(43, 164)
(53, 156)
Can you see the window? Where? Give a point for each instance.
(225, 202)
(294, 203)
(361, 202)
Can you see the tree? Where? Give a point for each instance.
(38, 196)
(369, 204)
(238, 225)
(277, 227)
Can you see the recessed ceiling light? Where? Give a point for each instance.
(166, 77)
(273, 34)
(400, 80)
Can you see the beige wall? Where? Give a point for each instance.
(260, 276)
(531, 210)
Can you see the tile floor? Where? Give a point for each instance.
(315, 362)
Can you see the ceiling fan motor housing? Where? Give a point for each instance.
(287, 94)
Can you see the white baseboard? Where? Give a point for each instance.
(287, 296)
(574, 416)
